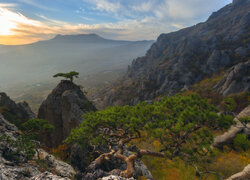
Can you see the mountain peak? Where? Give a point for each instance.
(78, 37)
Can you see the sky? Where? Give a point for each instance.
(27, 21)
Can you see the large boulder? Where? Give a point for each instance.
(63, 108)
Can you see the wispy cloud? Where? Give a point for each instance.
(105, 5)
(143, 7)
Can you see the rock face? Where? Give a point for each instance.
(21, 110)
(236, 79)
(47, 176)
(179, 59)
(115, 178)
(228, 136)
(12, 170)
(59, 167)
(243, 175)
(9, 170)
(63, 109)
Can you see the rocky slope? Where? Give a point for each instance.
(179, 59)
(20, 110)
(63, 108)
(10, 169)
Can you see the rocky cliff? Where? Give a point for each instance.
(179, 59)
(20, 110)
(63, 108)
(11, 169)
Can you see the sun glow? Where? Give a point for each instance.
(7, 22)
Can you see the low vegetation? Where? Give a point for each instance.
(182, 125)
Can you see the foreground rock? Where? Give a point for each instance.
(243, 175)
(59, 167)
(63, 108)
(228, 136)
(112, 177)
(11, 169)
(47, 176)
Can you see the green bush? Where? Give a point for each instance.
(19, 150)
(228, 104)
(182, 124)
(241, 141)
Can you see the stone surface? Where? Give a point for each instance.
(13, 170)
(243, 175)
(236, 79)
(48, 176)
(21, 110)
(59, 167)
(63, 109)
(228, 136)
(112, 177)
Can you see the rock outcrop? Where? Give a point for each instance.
(228, 136)
(63, 108)
(112, 177)
(10, 169)
(243, 175)
(20, 110)
(48, 176)
(60, 168)
(180, 59)
(236, 79)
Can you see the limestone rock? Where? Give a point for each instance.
(48, 176)
(112, 177)
(237, 79)
(59, 167)
(21, 110)
(63, 109)
(243, 175)
(228, 136)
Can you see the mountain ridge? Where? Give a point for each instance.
(179, 59)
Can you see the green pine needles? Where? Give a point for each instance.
(182, 124)
(71, 75)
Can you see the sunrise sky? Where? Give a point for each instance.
(27, 21)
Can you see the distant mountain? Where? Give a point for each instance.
(86, 53)
(179, 59)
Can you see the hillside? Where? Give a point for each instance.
(180, 59)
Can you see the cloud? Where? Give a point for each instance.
(7, 5)
(143, 7)
(105, 5)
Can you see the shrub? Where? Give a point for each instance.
(228, 104)
(18, 150)
(241, 141)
